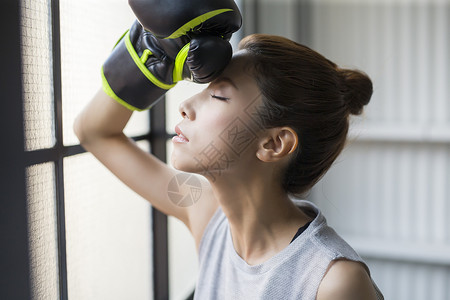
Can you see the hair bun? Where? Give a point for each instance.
(356, 89)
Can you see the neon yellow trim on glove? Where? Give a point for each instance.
(118, 41)
(108, 90)
(179, 63)
(142, 67)
(197, 21)
(145, 55)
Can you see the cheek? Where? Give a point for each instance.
(237, 135)
(226, 141)
(216, 118)
(212, 124)
(232, 130)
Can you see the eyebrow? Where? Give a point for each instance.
(226, 80)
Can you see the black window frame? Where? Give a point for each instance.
(14, 261)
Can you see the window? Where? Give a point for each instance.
(73, 230)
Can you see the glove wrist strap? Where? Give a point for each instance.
(179, 63)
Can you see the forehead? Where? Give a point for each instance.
(240, 63)
(239, 71)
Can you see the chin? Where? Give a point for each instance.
(183, 164)
(176, 163)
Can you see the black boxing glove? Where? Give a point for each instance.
(196, 19)
(146, 62)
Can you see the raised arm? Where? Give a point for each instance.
(99, 128)
(160, 49)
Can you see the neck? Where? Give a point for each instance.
(262, 218)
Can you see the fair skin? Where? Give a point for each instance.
(243, 178)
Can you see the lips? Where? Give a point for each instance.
(179, 138)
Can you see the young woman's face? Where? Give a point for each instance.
(220, 125)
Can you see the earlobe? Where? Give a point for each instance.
(278, 144)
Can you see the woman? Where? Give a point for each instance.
(266, 129)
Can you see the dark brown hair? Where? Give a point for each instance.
(312, 95)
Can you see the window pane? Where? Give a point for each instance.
(37, 74)
(108, 233)
(89, 30)
(183, 260)
(42, 232)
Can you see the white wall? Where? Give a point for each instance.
(388, 193)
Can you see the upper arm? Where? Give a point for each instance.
(346, 280)
(160, 184)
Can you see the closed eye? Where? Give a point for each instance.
(220, 98)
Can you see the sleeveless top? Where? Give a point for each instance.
(293, 273)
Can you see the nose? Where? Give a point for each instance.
(186, 109)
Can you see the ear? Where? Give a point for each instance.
(277, 144)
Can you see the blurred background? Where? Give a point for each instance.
(388, 194)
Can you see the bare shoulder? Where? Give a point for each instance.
(347, 280)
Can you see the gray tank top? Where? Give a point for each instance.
(293, 273)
